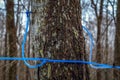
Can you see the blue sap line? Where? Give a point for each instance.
(91, 47)
(46, 60)
(53, 61)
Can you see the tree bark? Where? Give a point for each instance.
(11, 31)
(117, 43)
(99, 16)
(63, 39)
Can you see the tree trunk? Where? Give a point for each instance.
(98, 44)
(11, 31)
(63, 39)
(117, 43)
(106, 73)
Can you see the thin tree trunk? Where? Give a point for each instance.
(98, 44)
(11, 30)
(106, 43)
(117, 43)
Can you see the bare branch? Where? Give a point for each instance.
(94, 6)
(107, 27)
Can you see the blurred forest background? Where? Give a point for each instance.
(55, 32)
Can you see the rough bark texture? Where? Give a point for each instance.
(11, 31)
(63, 39)
(117, 43)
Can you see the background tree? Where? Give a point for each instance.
(117, 43)
(99, 15)
(11, 33)
(2, 53)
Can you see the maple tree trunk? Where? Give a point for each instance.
(63, 39)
